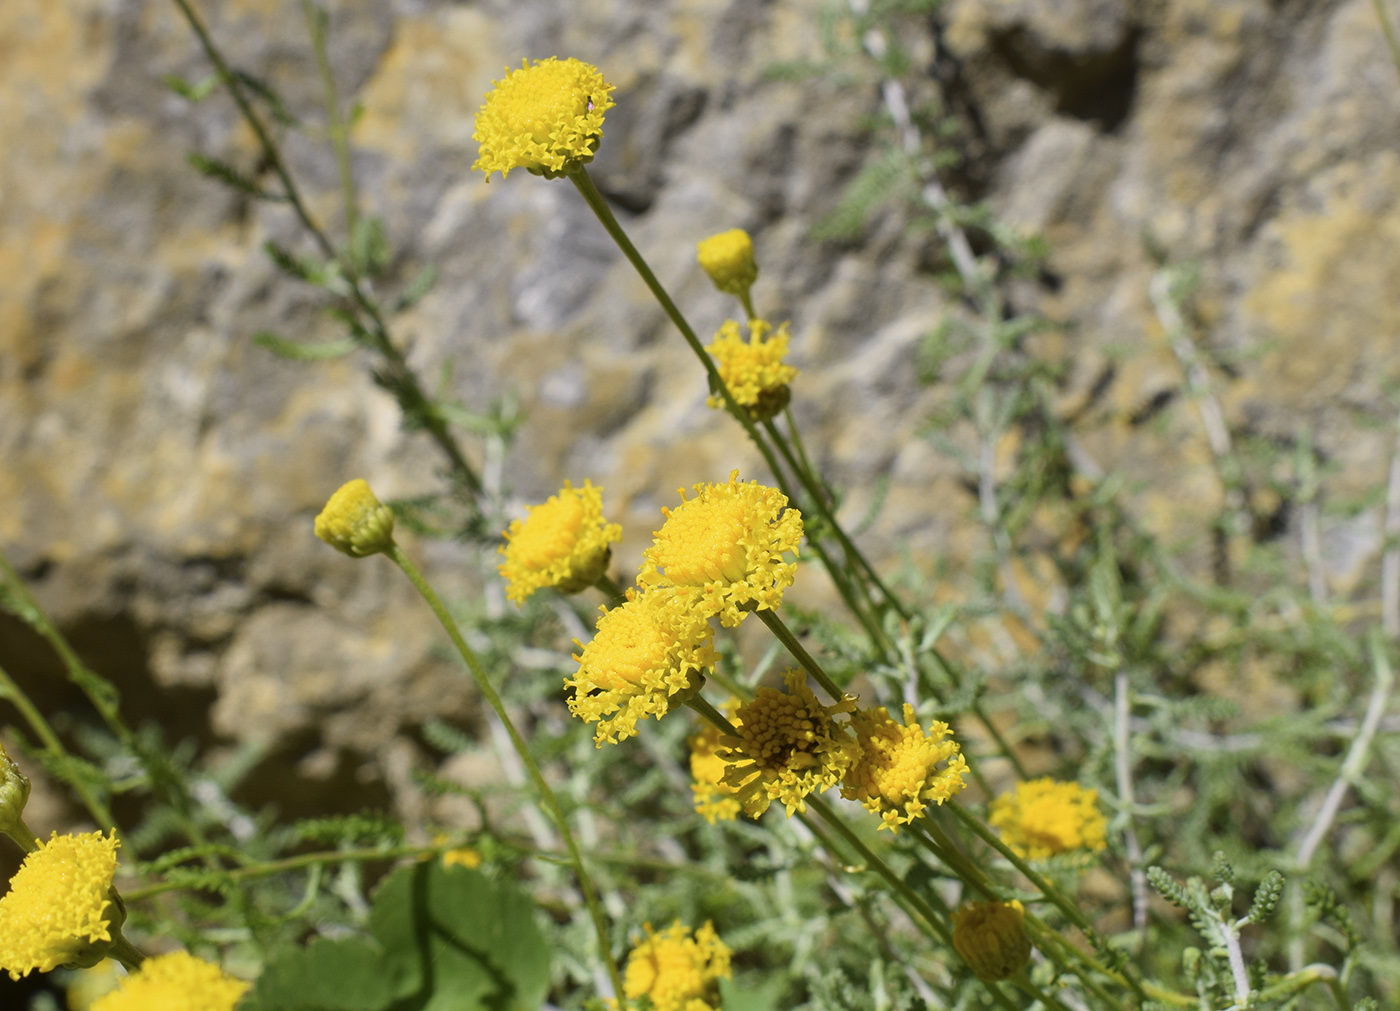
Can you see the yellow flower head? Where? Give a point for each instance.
(715, 800)
(1042, 817)
(677, 971)
(355, 522)
(788, 746)
(647, 657)
(723, 550)
(898, 766)
(563, 542)
(753, 369)
(57, 909)
(991, 938)
(174, 982)
(14, 794)
(546, 118)
(728, 259)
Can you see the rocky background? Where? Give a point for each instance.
(159, 472)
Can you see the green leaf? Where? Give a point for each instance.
(196, 92)
(284, 348)
(225, 173)
(748, 993)
(421, 284)
(369, 245)
(442, 939)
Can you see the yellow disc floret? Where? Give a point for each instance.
(59, 909)
(563, 542)
(991, 938)
(355, 522)
(647, 657)
(724, 550)
(177, 981)
(898, 769)
(546, 118)
(753, 369)
(728, 259)
(1041, 818)
(677, 971)
(788, 746)
(715, 800)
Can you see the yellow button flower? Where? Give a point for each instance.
(563, 542)
(898, 766)
(677, 971)
(728, 259)
(715, 800)
(1041, 818)
(647, 657)
(355, 522)
(724, 550)
(991, 938)
(59, 909)
(174, 982)
(753, 369)
(788, 746)
(546, 118)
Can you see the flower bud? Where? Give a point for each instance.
(991, 938)
(728, 259)
(14, 794)
(356, 522)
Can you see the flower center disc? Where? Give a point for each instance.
(550, 532)
(1051, 823)
(702, 542)
(549, 96)
(628, 649)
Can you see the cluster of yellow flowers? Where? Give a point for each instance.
(177, 981)
(1041, 818)
(563, 542)
(677, 971)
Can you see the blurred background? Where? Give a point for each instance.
(159, 471)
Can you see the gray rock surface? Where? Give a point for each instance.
(159, 471)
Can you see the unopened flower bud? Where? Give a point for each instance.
(991, 938)
(14, 794)
(356, 522)
(728, 259)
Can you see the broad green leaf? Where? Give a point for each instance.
(443, 939)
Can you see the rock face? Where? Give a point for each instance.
(159, 472)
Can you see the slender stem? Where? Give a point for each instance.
(584, 184)
(936, 841)
(709, 712)
(125, 952)
(1070, 957)
(1388, 28)
(590, 894)
(1123, 767)
(398, 376)
(615, 594)
(775, 625)
(897, 883)
(335, 122)
(21, 834)
(746, 299)
(58, 754)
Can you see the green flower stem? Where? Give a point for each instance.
(700, 705)
(897, 883)
(775, 625)
(945, 850)
(615, 594)
(20, 833)
(551, 802)
(168, 784)
(584, 184)
(746, 299)
(125, 952)
(1067, 956)
(838, 576)
(1060, 900)
(335, 122)
(58, 755)
(599, 206)
(398, 377)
